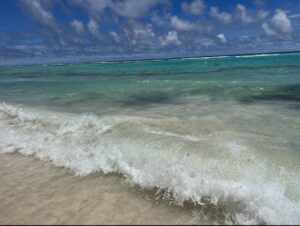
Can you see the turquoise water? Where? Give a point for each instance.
(218, 130)
(132, 84)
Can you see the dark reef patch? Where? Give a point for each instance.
(289, 93)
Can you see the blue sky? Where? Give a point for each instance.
(113, 29)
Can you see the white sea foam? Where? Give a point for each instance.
(257, 55)
(190, 58)
(87, 143)
(221, 57)
(238, 56)
(184, 137)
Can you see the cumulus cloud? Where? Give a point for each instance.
(125, 8)
(221, 16)
(143, 33)
(267, 29)
(170, 39)
(37, 11)
(78, 27)
(40, 12)
(262, 14)
(139, 34)
(115, 36)
(243, 14)
(195, 8)
(281, 22)
(182, 25)
(222, 38)
(158, 19)
(205, 42)
(94, 29)
(135, 8)
(279, 26)
(93, 7)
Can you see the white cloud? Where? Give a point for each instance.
(181, 25)
(221, 16)
(37, 11)
(115, 36)
(94, 7)
(94, 29)
(222, 38)
(281, 22)
(243, 14)
(205, 42)
(159, 20)
(40, 12)
(267, 29)
(280, 25)
(125, 8)
(78, 27)
(293, 16)
(171, 38)
(262, 14)
(195, 8)
(143, 33)
(138, 33)
(135, 8)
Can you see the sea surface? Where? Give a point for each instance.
(215, 133)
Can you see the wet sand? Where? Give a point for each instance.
(36, 192)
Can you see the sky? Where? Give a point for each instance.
(128, 29)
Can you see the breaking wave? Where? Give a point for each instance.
(203, 170)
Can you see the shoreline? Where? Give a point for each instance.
(36, 192)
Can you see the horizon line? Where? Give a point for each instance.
(149, 59)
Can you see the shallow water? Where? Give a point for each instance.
(222, 133)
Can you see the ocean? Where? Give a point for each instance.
(216, 134)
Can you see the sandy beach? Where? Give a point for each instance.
(35, 192)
